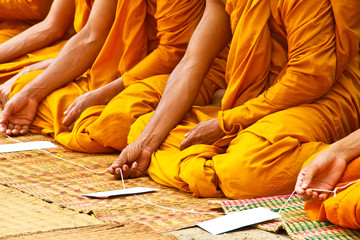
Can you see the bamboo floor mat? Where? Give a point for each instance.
(47, 178)
(21, 213)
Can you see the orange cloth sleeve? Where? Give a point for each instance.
(176, 21)
(308, 74)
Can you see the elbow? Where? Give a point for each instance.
(54, 31)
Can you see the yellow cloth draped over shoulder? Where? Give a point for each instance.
(18, 15)
(293, 86)
(148, 38)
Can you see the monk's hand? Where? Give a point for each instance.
(5, 88)
(80, 104)
(206, 132)
(323, 172)
(133, 161)
(19, 112)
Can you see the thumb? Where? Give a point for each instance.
(308, 177)
(8, 109)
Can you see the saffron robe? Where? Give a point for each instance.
(22, 10)
(148, 38)
(293, 86)
(344, 209)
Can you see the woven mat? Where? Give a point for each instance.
(295, 222)
(48, 178)
(21, 213)
(108, 231)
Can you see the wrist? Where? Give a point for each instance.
(342, 151)
(150, 142)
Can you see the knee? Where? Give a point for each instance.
(254, 167)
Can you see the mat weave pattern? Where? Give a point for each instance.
(105, 232)
(21, 214)
(295, 222)
(50, 179)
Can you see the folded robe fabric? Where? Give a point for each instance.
(27, 10)
(148, 38)
(293, 86)
(24, 9)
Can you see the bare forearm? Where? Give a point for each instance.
(75, 58)
(109, 91)
(348, 148)
(34, 38)
(211, 36)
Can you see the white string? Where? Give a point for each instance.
(168, 208)
(334, 191)
(123, 183)
(63, 159)
(318, 190)
(292, 194)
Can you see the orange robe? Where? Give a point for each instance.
(344, 209)
(24, 9)
(148, 38)
(37, 10)
(293, 85)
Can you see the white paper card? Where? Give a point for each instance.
(127, 191)
(237, 220)
(25, 146)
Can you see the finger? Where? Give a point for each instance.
(310, 200)
(315, 195)
(16, 130)
(304, 197)
(71, 127)
(118, 172)
(126, 171)
(299, 182)
(70, 107)
(8, 132)
(6, 113)
(24, 130)
(189, 132)
(134, 170)
(110, 170)
(70, 116)
(323, 196)
(10, 126)
(185, 144)
(3, 128)
(307, 195)
(308, 176)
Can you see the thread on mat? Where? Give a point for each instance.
(123, 183)
(63, 159)
(180, 210)
(318, 190)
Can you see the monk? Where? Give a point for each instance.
(293, 85)
(36, 47)
(77, 55)
(95, 112)
(336, 167)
